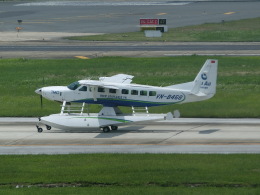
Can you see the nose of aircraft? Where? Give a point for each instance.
(39, 91)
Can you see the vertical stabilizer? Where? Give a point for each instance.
(205, 81)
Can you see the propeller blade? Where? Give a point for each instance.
(39, 91)
(41, 100)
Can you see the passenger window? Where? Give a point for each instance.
(101, 89)
(152, 93)
(134, 92)
(112, 90)
(125, 91)
(84, 88)
(143, 93)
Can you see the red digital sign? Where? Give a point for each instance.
(149, 21)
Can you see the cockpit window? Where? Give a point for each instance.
(74, 85)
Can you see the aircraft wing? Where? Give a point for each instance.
(97, 83)
(119, 78)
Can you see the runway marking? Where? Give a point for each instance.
(176, 144)
(182, 131)
(37, 22)
(160, 14)
(229, 13)
(82, 57)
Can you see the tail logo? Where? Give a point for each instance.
(204, 76)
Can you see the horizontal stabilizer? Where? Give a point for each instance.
(183, 86)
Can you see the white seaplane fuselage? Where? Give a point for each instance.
(126, 95)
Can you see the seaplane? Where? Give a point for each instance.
(118, 90)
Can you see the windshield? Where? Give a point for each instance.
(74, 85)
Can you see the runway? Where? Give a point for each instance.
(136, 47)
(176, 136)
(44, 23)
(65, 49)
(111, 16)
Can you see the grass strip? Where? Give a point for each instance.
(117, 173)
(238, 85)
(246, 30)
(149, 190)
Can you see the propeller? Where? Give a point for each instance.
(41, 100)
(39, 91)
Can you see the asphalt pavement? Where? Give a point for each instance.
(116, 16)
(182, 135)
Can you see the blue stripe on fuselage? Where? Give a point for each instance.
(128, 103)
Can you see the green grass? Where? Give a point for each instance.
(240, 30)
(149, 190)
(237, 95)
(131, 174)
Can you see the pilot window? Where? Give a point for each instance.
(84, 88)
(101, 89)
(143, 93)
(74, 85)
(134, 92)
(125, 91)
(112, 90)
(152, 93)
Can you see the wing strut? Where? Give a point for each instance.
(140, 110)
(67, 108)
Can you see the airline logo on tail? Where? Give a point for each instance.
(204, 76)
(205, 85)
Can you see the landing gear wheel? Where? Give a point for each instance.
(106, 129)
(39, 129)
(48, 127)
(114, 128)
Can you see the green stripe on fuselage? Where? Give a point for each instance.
(104, 118)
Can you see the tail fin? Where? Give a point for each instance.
(205, 82)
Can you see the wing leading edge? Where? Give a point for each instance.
(107, 82)
(119, 78)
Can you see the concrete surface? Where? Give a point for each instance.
(19, 136)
